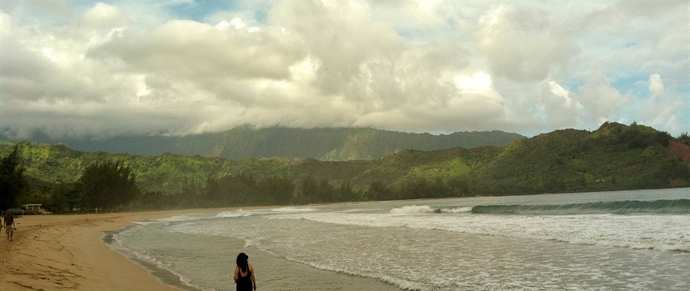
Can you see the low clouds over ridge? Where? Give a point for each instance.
(101, 72)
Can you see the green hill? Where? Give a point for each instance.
(331, 144)
(614, 157)
(343, 144)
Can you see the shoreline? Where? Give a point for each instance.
(164, 276)
(71, 252)
(52, 252)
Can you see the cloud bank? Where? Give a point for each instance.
(179, 67)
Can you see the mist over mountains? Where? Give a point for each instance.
(331, 144)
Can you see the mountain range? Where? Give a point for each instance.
(614, 157)
(330, 144)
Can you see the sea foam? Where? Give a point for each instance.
(416, 209)
(292, 209)
(231, 214)
(629, 231)
(412, 209)
(177, 218)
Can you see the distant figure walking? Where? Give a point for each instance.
(9, 225)
(244, 274)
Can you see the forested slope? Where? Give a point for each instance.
(331, 144)
(613, 157)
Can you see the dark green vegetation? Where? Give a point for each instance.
(332, 144)
(106, 185)
(12, 180)
(614, 157)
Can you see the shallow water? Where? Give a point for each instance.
(432, 244)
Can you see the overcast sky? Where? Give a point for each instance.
(176, 67)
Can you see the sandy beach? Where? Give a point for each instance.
(52, 252)
(65, 252)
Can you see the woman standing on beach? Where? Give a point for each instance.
(244, 274)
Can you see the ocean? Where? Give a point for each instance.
(624, 240)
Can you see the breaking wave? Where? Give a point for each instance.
(680, 206)
(292, 209)
(230, 214)
(414, 209)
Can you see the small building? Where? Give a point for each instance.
(32, 208)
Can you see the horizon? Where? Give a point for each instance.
(118, 68)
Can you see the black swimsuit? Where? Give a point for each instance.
(244, 283)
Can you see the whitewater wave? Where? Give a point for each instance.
(231, 214)
(292, 209)
(144, 223)
(402, 283)
(177, 218)
(457, 210)
(414, 209)
(659, 232)
(361, 210)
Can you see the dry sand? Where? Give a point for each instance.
(64, 252)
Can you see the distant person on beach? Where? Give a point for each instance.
(9, 225)
(244, 274)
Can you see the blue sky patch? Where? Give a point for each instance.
(201, 9)
(636, 84)
(573, 84)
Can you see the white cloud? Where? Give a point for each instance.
(196, 50)
(342, 36)
(104, 16)
(479, 82)
(136, 67)
(524, 44)
(5, 25)
(559, 107)
(656, 86)
(600, 99)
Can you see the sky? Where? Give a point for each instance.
(176, 67)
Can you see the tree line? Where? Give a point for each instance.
(103, 185)
(246, 190)
(111, 186)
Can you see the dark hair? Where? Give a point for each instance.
(242, 261)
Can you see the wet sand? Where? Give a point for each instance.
(65, 252)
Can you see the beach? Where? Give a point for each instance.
(627, 240)
(52, 252)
